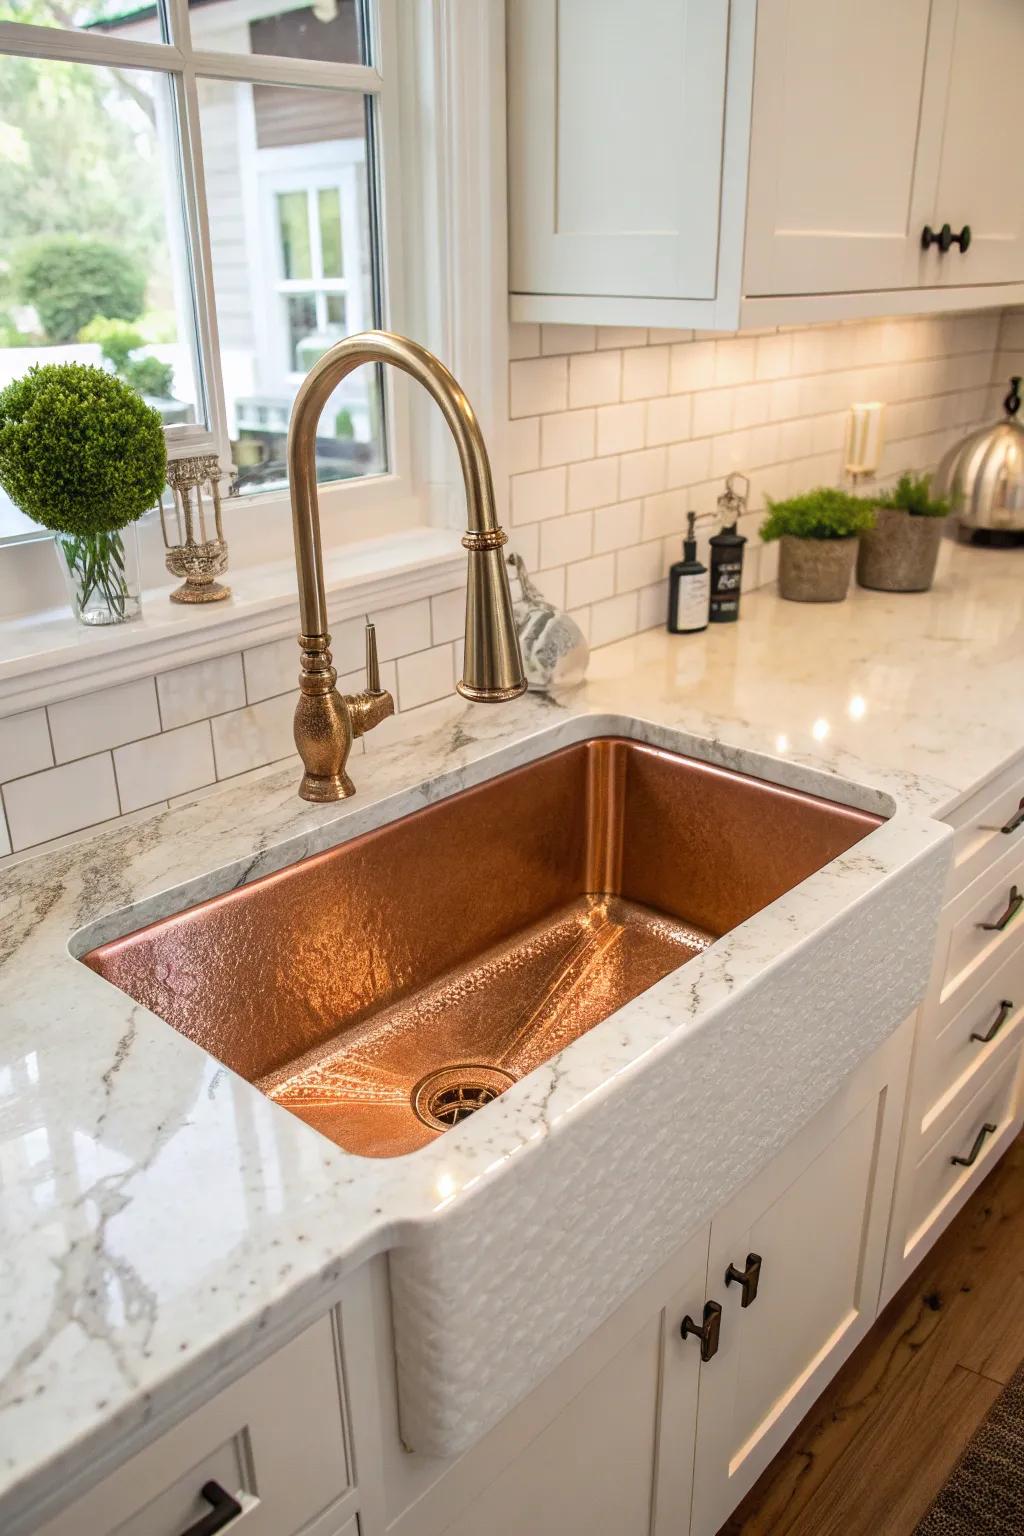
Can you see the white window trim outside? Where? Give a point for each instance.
(442, 169)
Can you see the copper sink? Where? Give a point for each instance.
(387, 988)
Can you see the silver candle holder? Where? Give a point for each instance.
(195, 488)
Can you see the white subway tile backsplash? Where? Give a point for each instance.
(523, 444)
(538, 495)
(95, 721)
(621, 336)
(639, 566)
(643, 474)
(617, 526)
(205, 688)
(248, 738)
(551, 583)
(644, 372)
(688, 463)
(773, 356)
(5, 839)
(425, 676)
(448, 615)
(589, 580)
(593, 484)
(523, 341)
(595, 378)
(692, 366)
(669, 419)
(61, 800)
(613, 619)
(24, 744)
(566, 538)
(537, 385)
(566, 436)
(400, 630)
(734, 360)
(567, 338)
(663, 515)
(621, 427)
(162, 766)
(712, 413)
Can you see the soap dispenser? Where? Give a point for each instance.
(688, 588)
(727, 554)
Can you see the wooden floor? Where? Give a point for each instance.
(875, 1449)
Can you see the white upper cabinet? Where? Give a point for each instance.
(970, 171)
(724, 162)
(601, 97)
(837, 99)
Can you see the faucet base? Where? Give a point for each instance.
(490, 695)
(323, 789)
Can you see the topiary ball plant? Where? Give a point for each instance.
(824, 513)
(82, 454)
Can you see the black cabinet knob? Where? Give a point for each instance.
(749, 1278)
(708, 1332)
(945, 238)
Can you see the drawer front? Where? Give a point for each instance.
(988, 1025)
(274, 1441)
(982, 928)
(984, 827)
(974, 1137)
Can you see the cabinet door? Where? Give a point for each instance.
(816, 1217)
(615, 117)
(837, 95)
(970, 171)
(619, 1455)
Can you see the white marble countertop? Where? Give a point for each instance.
(120, 1288)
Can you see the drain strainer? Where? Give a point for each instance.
(444, 1098)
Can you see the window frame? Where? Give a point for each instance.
(184, 65)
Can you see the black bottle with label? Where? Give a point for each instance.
(727, 555)
(688, 588)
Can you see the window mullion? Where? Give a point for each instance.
(186, 99)
(80, 47)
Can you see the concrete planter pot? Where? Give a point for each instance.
(900, 553)
(815, 570)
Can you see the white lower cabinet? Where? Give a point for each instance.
(644, 1431)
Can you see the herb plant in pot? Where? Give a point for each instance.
(900, 553)
(82, 454)
(818, 534)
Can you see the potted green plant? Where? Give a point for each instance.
(818, 534)
(900, 553)
(82, 454)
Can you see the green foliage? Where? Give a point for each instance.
(824, 513)
(70, 281)
(117, 340)
(344, 427)
(912, 493)
(79, 451)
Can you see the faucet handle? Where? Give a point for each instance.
(372, 662)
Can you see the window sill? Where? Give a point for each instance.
(48, 656)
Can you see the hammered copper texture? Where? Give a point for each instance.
(492, 928)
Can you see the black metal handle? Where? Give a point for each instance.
(708, 1333)
(1016, 820)
(224, 1509)
(979, 1141)
(1005, 1009)
(1011, 405)
(749, 1278)
(945, 238)
(1013, 906)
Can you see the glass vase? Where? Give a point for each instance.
(102, 575)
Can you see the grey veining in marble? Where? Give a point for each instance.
(159, 1215)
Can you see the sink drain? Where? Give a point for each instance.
(444, 1098)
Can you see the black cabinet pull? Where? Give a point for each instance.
(1016, 820)
(1005, 1009)
(1014, 903)
(224, 1509)
(979, 1141)
(708, 1333)
(749, 1278)
(945, 238)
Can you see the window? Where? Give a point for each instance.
(188, 197)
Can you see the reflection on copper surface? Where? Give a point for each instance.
(488, 930)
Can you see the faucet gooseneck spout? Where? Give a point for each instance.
(325, 721)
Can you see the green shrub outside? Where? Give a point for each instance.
(69, 281)
(117, 340)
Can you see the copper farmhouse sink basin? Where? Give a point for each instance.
(387, 988)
